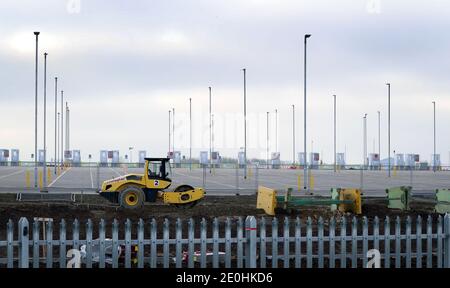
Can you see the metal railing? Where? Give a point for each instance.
(425, 166)
(231, 243)
(232, 180)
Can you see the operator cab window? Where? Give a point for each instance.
(157, 170)
(154, 170)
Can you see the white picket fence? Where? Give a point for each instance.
(264, 242)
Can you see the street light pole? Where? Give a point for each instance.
(293, 135)
(212, 137)
(67, 137)
(267, 145)
(434, 136)
(56, 128)
(305, 181)
(170, 112)
(45, 121)
(173, 131)
(245, 123)
(36, 112)
(210, 131)
(334, 98)
(276, 130)
(58, 140)
(389, 129)
(62, 128)
(365, 139)
(190, 133)
(379, 136)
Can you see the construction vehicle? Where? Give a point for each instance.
(346, 200)
(132, 190)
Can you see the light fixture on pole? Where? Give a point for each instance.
(379, 137)
(170, 133)
(62, 128)
(305, 174)
(173, 131)
(276, 130)
(267, 145)
(67, 153)
(190, 133)
(44, 167)
(210, 132)
(434, 136)
(293, 135)
(56, 121)
(334, 100)
(57, 136)
(245, 123)
(389, 129)
(365, 140)
(36, 112)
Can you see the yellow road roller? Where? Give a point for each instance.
(132, 190)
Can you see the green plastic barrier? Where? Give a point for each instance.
(399, 197)
(344, 199)
(443, 201)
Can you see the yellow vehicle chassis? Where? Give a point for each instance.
(132, 190)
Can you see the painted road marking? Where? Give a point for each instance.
(5, 169)
(118, 174)
(57, 178)
(14, 173)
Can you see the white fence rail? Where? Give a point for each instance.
(264, 242)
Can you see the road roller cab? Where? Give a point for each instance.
(132, 190)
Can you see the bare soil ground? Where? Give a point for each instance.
(96, 208)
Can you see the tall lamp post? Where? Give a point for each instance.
(173, 131)
(36, 112)
(379, 137)
(276, 130)
(434, 136)
(62, 128)
(56, 128)
(210, 132)
(245, 123)
(190, 133)
(293, 135)
(305, 176)
(365, 140)
(334, 101)
(45, 121)
(170, 113)
(389, 129)
(57, 136)
(267, 144)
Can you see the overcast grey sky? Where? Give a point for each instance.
(124, 64)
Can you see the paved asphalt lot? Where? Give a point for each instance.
(231, 181)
